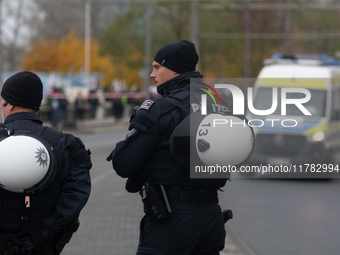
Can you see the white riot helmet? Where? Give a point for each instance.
(224, 140)
(212, 139)
(26, 163)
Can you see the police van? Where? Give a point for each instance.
(291, 137)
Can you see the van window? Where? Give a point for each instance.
(316, 105)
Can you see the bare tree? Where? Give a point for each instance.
(61, 16)
(15, 33)
(176, 16)
(23, 22)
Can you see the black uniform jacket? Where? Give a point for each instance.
(58, 205)
(150, 131)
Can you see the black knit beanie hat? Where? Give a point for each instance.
(180, 57)
(23, 89)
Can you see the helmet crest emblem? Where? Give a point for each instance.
(41, 156)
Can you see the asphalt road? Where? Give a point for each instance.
(109, 223)
(281, 217)
(284, 217)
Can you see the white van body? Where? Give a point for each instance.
(309, 139)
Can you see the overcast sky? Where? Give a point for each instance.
(14, 16)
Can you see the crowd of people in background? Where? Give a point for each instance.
(62, 111)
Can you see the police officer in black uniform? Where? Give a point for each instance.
(182, 214)
(43, 221)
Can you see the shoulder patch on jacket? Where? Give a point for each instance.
(146, 105)
(133, 132)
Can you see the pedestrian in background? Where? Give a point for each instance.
(93, 102)
(80, 106)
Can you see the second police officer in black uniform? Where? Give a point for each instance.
(43, 221)
(182, 214)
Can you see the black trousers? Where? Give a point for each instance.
(193, 229)
(45, 250)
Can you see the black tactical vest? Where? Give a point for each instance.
(15, 212)
(162, 168)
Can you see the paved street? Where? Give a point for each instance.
(284, 216)
(281, 217)
(110, 220)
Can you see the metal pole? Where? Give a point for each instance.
(147, 45)
(315, 32)
(87, 61)
(195, 26)
(288, 27)
(246, 44)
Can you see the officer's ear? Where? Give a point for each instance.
(10, 107)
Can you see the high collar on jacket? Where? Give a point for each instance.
(22, 116)
(177, 82)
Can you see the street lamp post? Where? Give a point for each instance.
(147, 68)
(87, 61)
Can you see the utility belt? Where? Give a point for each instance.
(158, 199)
(192, 195)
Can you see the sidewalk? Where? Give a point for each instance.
(91, 125)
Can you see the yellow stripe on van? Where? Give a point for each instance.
(288, 82)
(336, 139)
(320, 127)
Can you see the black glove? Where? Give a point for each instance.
(27, 240)
(38, 236)
(4, 239)
(15, 245)
(134, 183)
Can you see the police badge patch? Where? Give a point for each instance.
(132, 133)
(146, 105)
